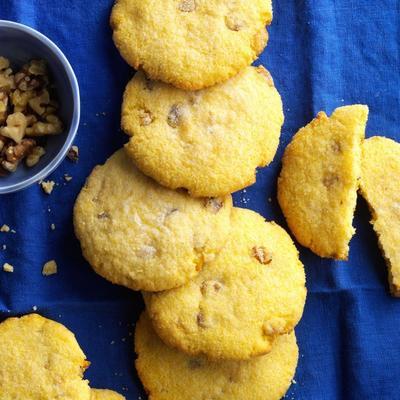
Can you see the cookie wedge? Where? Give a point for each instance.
(380, 186)
(318, 183)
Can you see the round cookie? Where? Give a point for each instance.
(317, 187)
(210, 141)
(252, 292)
(191, 44)
(40, 360)
(104, 394)
(139, 234)
(168, 374)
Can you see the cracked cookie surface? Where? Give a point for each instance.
(139, 234)
(210, 141)
(168, 374)
(317, 186)
(191, 44)
(253, 291)
(40, 359)
(380, 177)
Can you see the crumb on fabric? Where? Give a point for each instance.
(5, 228)
(67, 177)
(8, 267)
(52, 227)
(47, 186)
(34, 308)
(49, 268)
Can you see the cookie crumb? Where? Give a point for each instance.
(52, 227)
(5, 228)
(4, 246)
(47, 186)
(34, 308)
(8, 267)
(50, 268)
(67, 177)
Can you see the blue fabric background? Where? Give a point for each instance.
(322, 54)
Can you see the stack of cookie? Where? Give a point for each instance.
(223, 288)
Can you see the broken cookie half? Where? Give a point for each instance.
(317, 187)
(380, 186)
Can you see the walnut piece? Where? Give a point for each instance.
(3, 107)
(262, 255)
(187, 5)
(14, 154)
(73, 153)
(175, 115)
(49, 268)
(330, 180)
(214, 204)
(39, 103)
(47, 186)
(16, 127)
(52, 126)
(8, 267)
(145, 117)
(37, 153)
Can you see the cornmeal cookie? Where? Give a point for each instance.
(40, 360)
(191, 44)
(252, 292)
(317, 187)
(380, 186)
(103, 394)
(210, 141)
(139, 234)
(168, 374)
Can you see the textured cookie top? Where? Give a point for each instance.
(169, 375)
(210, 141)
(139, 234)
(40, 360)
(380, 186)
(253, 291)
(104, 394)
(191, 44)
(317, 187)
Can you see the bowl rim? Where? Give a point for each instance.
(56, 161)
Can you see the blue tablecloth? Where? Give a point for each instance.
(322, 54)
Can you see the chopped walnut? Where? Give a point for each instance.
(47, 186)
(187, 5)
(37, 67)
(145, 117)
(36, 154)
(3, 107)
(336, 147)
(201, 321)
(73, 153)
(52, 126)
(210, 287)
(234, 23)
(16, 127)
(5, 228)
(214, 204)
(14, 154)
(330, 180)
(175, 115)
(6, 75)
(4, 63)
(20, 99)
(262, 255)
(49, 268)
(103, 215)
(40, 103)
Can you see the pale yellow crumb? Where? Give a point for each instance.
(67, 177)
(50, 268)
(5, 228)
(8, 267)
(47, 186)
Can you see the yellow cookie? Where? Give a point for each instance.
(139, 234)
(209, 142)
(317, 187)
(234, 309)
(103, 394)
(168, 374)
(40, 360)
(380, 186)
(191, 44)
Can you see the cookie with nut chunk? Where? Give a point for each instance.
(168, 374)
(380, 177)
(40, 359)
(190, 44)
(317, 187)
(139, 234)
(252, 292)
(210, 141)
(104, 394)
